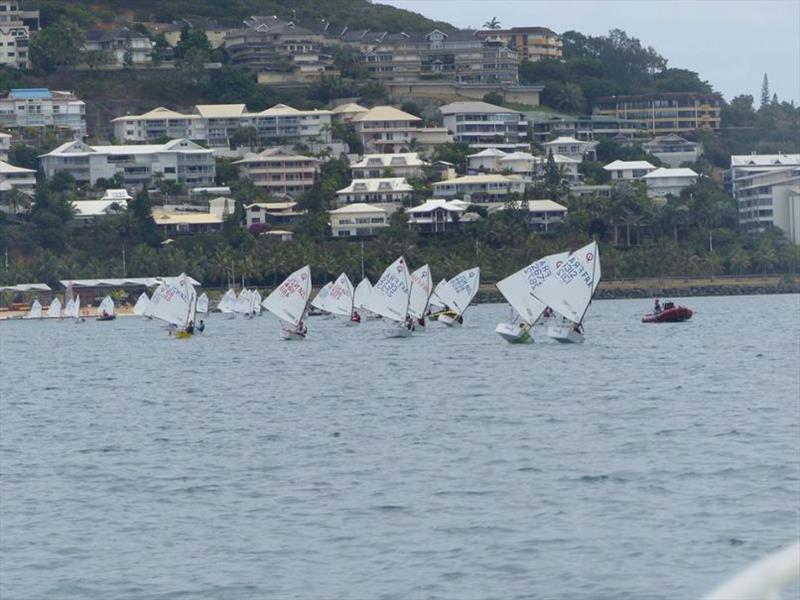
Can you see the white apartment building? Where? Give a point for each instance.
(120, 47)
(673, 150)
(485, 160)
(668, 182)
(484, 125)
(15, 28)
(381, 190)
(541, 215)
(385, 129)
(480, 188)
(437, 215)
(182, 161)
(628, 170)
(5, 146)
(17, 178)
(358, 220)
(41, 107)
(571, 148)
(279, 171)
(767, 192)
(216, 124)
(345, 113)
(375, 166)
(272, 213)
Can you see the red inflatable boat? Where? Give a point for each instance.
(670, 314)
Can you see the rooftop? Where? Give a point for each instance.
(358, 207)
(6, 168)
(664, 173)
(404, 159)
(624, 165)
(473, 107)
(765, 160)
(385, 113)
(483, 178)
(382, 184)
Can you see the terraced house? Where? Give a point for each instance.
(279, 171)
(659, 114)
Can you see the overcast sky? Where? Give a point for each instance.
(730, 43)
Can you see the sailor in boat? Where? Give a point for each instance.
(421, 322)
(190, 328)
(301, 328)
(657, 307)
(355, 318)
(201, 326)
(410, 323)
(548, 312)
(578, 328)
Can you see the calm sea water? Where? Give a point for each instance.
(650, 462)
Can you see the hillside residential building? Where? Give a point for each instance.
(627, 170)
(385, 129)
(480, 188)
(530, 43)
(5, 146)
(280, 171)
(767, 191)
(487, 160)
(454, 56)
(177, 223)
(382, 190)
(484, 125)
(15, 28)
(16, 178)
(664, 113)
(437, 215)
(272, 213)
(181, 161)
(541, 214)
(584, 127)
(590, 191)
(664, 182)
(375, 166)
(215, 32)
(279, 51)
(41, 107)
(427, 139)
(492, 160)
(345, 113)
(120, 47)
(571, 148)
(87, 210)
(673, 150)
(358, 220)
(217, 124)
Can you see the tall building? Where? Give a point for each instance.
(530, 43)
(385, 129)
(659, 114)
(41, 107)
(15, 27)
(767, 191)
(279, 171)
(483, 125)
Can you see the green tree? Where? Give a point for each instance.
(59, 44)
(493, 24)
(764, 91)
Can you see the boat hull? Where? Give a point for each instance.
(513, 334)
(401, 331)
(291, 335)
(183, 335)
(565, 334)
(449, 320)
(677, 314)
(107, 318)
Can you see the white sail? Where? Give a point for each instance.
(227, 302)
(202, 303)
(36, 310)
(461, 289)
(389, 297)
(54, 310)
(340, 297)
(289, 300)
(243, 302)
(361, 294)
(572, 286)
(421, 289)
(73, 308)
(519, 288)
(141, 304)
(320, 301)
(174, 301)
(255, 302)
(436, 302)
(106, 307)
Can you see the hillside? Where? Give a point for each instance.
(357, 14)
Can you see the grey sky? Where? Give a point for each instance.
(730, 43)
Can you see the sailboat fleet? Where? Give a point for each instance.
(551, 295)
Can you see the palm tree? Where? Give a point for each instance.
(492, 24)
(765, 256)
(739, 260)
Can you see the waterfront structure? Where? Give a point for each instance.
(120, 47)
(181, 161)
(279, 51)
(280, 171)
(627, 170)
(673, 150)
(218, 124)
(375, 166)
(767, 191)
(480, 188)
(484, 125)
(358, 220)
(16, 26)
(668, 182)
(530, 43)
(41, 107)
(385, 129)
(571, 148)
(381, 190)
(436, 216)
(455, 56)
(664, 113)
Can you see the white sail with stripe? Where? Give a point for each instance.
(340, 297)
(519, 288)
(461, 289)
(389, 297)
(174, 301)
(255, 302)
(421, 289)
(289, 300)
(569, 291)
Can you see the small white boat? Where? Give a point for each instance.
(566, 333)
(202, 304)
(174, 302)
(457, 295)
(227, 304)
(106, 310)
(421, 289)
(35, 311)
(54, 310)
(289, 302)
(515, 333)
(142, 303)
(389, 298)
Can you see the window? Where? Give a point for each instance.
(169, 170)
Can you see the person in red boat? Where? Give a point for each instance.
(657, 308)
(355, 317)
